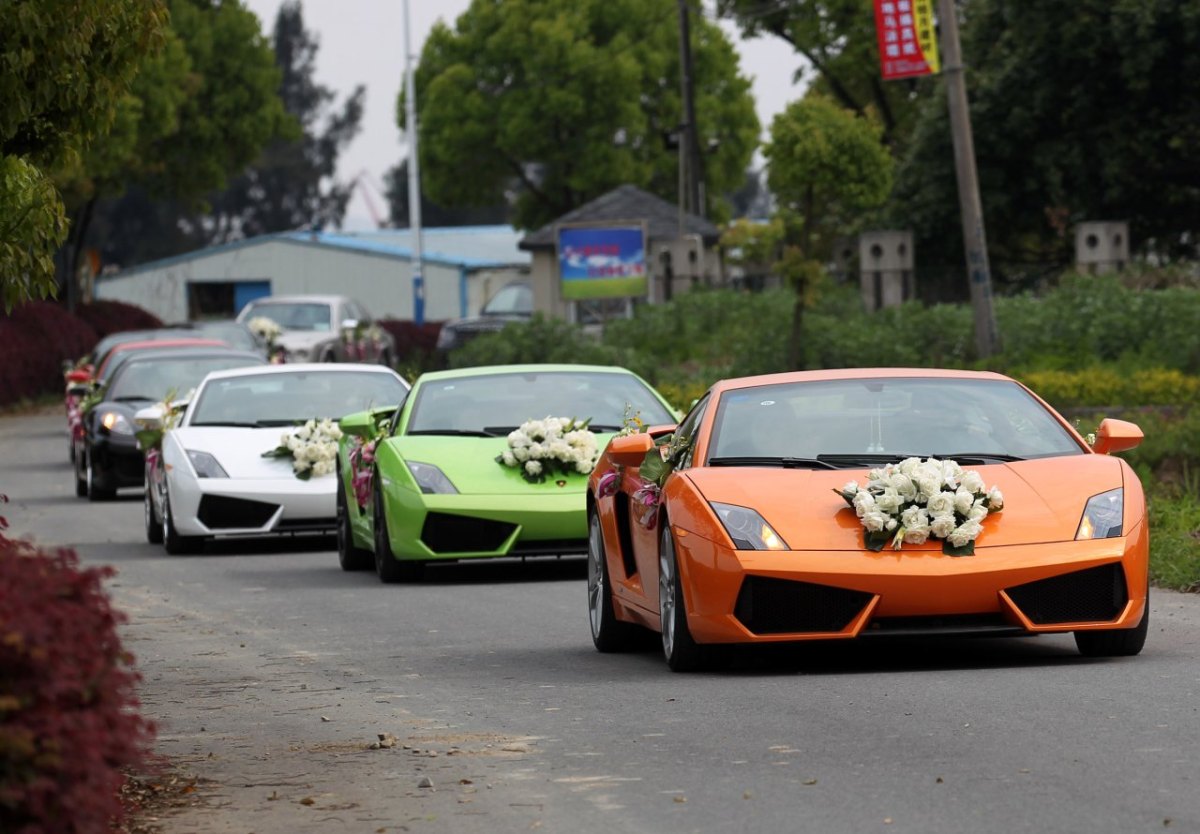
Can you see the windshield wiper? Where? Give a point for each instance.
(969, 458)
(784, 462)
(226, 424)
(132, 398)
(454, 432)
(602, 427)
(980, 457)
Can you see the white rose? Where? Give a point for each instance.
(874, 520)
(972, 482)
(889, 501)
(300, 465)
(533, 467)
(929, 486)
(963, 501)
(942, 525)
(995, 500)
(864, 502)
(584, 467)
(322, 467)
(904, 486)
(915, 518)
(916, 536)
(537, 451)
(978, 511)
(521, 453)
(850, 489)
(941, 503)
(891, 524)
(908, 466)
(509, 458)
(966, 532)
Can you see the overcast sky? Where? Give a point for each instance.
(362, 42)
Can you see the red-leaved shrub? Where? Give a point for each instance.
(416, 344)
(35, 338)
(68, 710)
(114, 316)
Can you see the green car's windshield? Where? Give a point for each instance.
(153, 379)
(491, 404)
(285, 398)
(871, 421)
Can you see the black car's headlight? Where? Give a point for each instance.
(747, 528)
(116, 422)
(206, 465)
(1103, 517)
(430, 479)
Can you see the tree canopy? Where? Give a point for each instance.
(557, 103)
(65, 67)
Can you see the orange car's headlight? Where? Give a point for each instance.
(1103, 517)
(747, 528)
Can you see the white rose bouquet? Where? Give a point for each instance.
(312, 447)
(913, 500)
(554, 444)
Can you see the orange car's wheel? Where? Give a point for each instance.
(608, 633)
(1123, 642)
(682, 653)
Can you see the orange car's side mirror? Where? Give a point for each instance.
(630, 450)
(1116, 436)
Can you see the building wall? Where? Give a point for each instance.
(382, 283)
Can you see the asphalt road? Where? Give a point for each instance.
(269, 671)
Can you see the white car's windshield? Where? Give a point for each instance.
(889, 417)
(293, 316)
(498, 403)
(282, 399)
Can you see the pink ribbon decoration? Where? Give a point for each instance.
(362, 456)
(646, 501)
(608, 484)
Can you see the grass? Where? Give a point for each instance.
(1175, 540)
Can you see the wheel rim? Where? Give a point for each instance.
(380, 532)
(166, 517)
(666, 593)
(596, 589)
(89, 476)
(148, 508)
(342, 521)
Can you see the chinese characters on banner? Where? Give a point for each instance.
(602, 262)
(907, 41)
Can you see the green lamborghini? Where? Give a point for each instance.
(481, 463)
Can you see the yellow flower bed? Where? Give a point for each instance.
(1108, 387)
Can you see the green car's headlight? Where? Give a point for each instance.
(1104, 516)
(747, 528)
(430, 479)
(206, 465)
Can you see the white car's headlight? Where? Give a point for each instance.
(1104, 516)
(116, 422)
(206, 465)
(430, 479)
(747, 528)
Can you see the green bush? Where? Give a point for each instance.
(540, 340)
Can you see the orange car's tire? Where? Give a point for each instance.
(682, 653)
(389, 569)
(1122, 642)
(350, 556)
(608, 633)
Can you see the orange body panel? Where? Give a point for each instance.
(1032, 539)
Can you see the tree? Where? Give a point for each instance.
(64, 67)
(837, 38)
(827, 167)
(292, 184)
(432, 214)
(569, 100)
(226, 108)
(1086, 110)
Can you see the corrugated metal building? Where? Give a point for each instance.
(463, 267)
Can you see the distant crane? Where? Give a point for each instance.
(367, 185)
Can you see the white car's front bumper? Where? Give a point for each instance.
(248, 507)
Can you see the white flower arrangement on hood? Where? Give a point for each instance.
(553, 444)
(312, 447)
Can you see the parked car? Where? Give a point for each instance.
(511, 303)
(435, 490)
(107, 455)
(236, 334)
(215, 479)
(323, 328)
(746, 536)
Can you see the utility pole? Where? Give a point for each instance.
(987, 338)
(414, 175)
(691, 146)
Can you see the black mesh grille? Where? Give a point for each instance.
(1093, 595)
(983, 624)
(778, 606)
(220, 512)
(445, 533)
(624, 537)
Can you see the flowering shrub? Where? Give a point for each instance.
(909, 502)
(312, 448)
(68, 712)
(107, 317)
(555, 444)
(35, 339)
(416, 344)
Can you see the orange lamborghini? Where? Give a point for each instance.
(863, 504)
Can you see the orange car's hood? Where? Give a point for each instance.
(1043, 500)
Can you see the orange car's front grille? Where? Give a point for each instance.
(1096, 594)
(780, 606)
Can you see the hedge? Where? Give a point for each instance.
(68, 711)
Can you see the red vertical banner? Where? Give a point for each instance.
(907, 40)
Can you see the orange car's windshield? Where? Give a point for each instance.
(942, 417)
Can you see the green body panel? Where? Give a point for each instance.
(554, 510)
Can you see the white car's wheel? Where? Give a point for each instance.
(154, 527)
(174, 543)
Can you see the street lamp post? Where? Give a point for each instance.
(414, 175)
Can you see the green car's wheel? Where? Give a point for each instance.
(608, 633)
(350, 557)
(389, 568)
(682, 653)
(1117, 642)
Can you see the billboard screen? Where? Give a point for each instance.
(602, 262)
